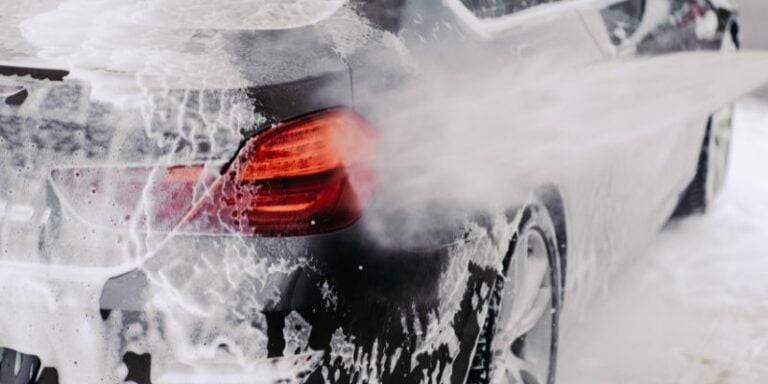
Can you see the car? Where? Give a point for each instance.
(202, 230)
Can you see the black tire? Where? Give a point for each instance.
(711, 171)
(695, 199)
(535, 217)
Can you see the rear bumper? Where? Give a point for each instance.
(22, 368)
(52, 313)
(235, 309)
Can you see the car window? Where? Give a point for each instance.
(486, 9)
(386, 14)
(622, 19)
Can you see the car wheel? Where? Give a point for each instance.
(518, 342)
(711, 172)
(714, 157)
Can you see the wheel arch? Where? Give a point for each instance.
(550, 197)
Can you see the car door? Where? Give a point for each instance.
(617, 200)
(646, 28)
(600, 214)
(649, 172)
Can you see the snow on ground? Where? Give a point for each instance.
(694, 310)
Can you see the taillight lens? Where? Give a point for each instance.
(305, 176)
(310, 175)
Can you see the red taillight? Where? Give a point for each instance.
(315, 144)
(305, 176)
(310, 175)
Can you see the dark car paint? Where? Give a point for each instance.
(35, 73)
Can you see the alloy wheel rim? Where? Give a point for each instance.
(719, 152)
(523, 341)
(721, 131)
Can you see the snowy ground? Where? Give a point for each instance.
(694, 310)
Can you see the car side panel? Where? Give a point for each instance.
(612, 218)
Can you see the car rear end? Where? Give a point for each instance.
(198, 233)
(91, 193)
